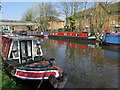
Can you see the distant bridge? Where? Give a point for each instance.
(13, 22)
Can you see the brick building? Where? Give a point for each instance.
(103, 16)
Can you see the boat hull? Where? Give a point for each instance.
(112, 39)
(22, 74)
(82, 36)
(72, 37)
(35, 75)
(29, 84)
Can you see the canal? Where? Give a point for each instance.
(87, 64)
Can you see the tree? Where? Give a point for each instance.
(0, 6)
(69, 9)
(45, 13)
(28, 15)
(65, 9)
(72, 23)
(74, 7)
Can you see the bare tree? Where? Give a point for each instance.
(45, 14)
(0, 6)
(75, 7)
(28, 15)
(42, 14)
(65, 9)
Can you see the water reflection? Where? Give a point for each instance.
(87, 64)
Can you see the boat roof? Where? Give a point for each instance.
(19, 38)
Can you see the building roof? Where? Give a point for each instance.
(55, 19)
(85, 12)
(114, 7)
(19, 38)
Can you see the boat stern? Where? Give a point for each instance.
(35, 75)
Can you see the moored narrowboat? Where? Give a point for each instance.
(23, 59)
(84, 35)
(111, 38)
(35, 33)
(46, 34)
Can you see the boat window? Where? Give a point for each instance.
(29, 48)
(77, 34)
(25, 50)
(28, 33)
(37, 48)
(14, 51)
(4, 47)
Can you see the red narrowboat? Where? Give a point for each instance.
(23, 59)
(84, 35)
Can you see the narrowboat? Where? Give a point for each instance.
(46, 34)
(111, 38)
(35, 33)
(29, 33)
(23, 60)
(84, 35)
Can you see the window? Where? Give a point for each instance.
(5, 46)
(96, 15)
(29, 48)
(103, 14)
(84, 17)
(84, 23)
(89, 17)
(23, 49)
(103, 22)
(95, 23)
(113, 14)
(14, 51)
(112, 22)
(36, 48)
(89, 23)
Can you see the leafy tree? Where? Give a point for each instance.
(72, 23)
(13, 27)
(73, 18)
(29, 27)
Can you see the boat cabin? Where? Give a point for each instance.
(21, 49)
(22, 60)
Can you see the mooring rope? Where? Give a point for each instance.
(41, 80)
(44, 75)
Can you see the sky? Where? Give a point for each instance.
(15, 10)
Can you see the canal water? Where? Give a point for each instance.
(87, 64)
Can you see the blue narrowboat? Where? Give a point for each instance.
(111, 38)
